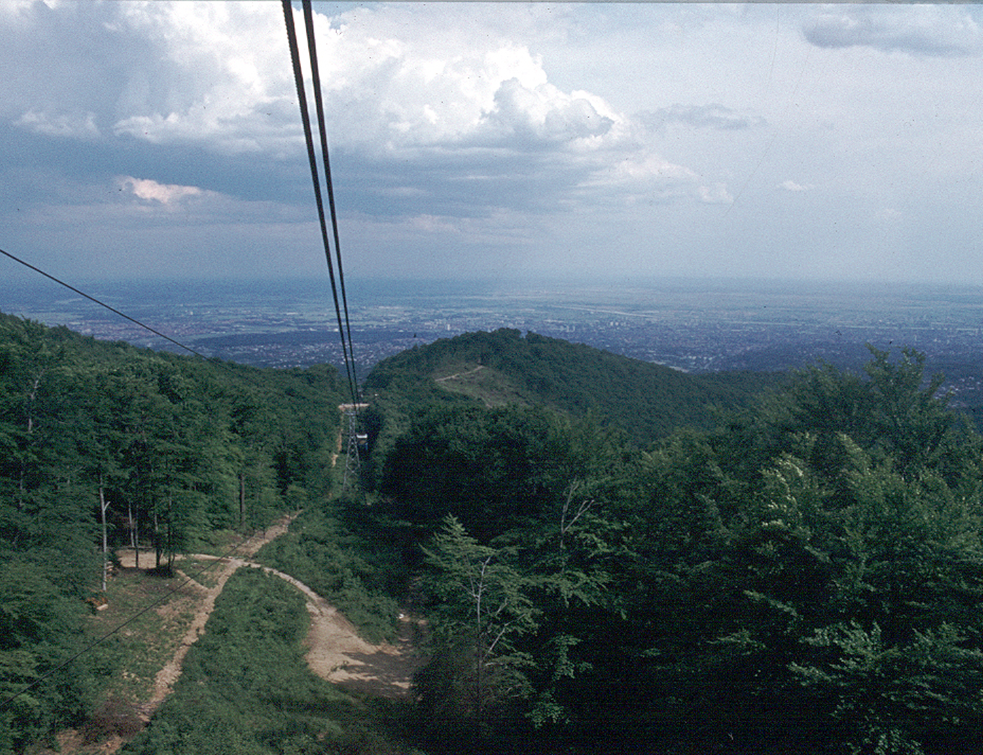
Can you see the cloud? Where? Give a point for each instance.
(165, 194)
(713, 116)
(715, 194)
(651, 178)
(68, 125)
(918, 30)
(215, 74)
(543, 115)
(472, 107)
(793, 186)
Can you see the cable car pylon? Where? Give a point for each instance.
(357, 445)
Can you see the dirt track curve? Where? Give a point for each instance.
(335, 651)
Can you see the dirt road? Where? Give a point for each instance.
(335, 651)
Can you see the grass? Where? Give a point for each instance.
(487, 385)
(132, 656)
(356, 577)
(246, 687)
(203, 571)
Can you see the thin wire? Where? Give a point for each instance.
(312, 159)
(102, 304)
(774, 137)
(322, 128)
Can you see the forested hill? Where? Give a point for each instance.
(176, 452)
(648, 401)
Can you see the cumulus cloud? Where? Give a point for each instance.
(918, 30)
(652, 178)
(148, 189)
(464, 121)
(543, 115)
(69, 125)
(216, 74)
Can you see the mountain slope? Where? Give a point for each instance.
(646, 400)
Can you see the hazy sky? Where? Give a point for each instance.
(802, 141)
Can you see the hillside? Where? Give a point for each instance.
(103, 446)
(804, 577)
(647, 401)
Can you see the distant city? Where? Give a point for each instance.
(691, 325)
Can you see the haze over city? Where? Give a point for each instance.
(496, 140)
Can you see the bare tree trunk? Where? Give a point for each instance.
(157, 546)
(242, 500)
(134, 535)
(103, 505)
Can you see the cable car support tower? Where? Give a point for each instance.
(356, 445)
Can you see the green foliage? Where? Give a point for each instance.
(169, 442)
(804, 578)
(333, 553)
(831, 582)
(483, 606)
(646, 401)
(246, 688)
(490, 468)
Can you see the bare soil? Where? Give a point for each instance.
(335, 652)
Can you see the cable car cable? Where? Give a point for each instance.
(322, 129)
(102, 304)
(312, 159)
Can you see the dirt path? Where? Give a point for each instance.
(335, 651)
(459, 374)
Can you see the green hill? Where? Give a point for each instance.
(647, 401)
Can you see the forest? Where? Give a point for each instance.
(751, 564)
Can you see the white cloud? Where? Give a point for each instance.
(398, 90)
(715, 194)
(795, 187)
(215, 74)
(68, 125)
(165, 194)
(713, 116)
(544, 115)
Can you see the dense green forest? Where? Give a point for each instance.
(643, 400)
(804, 578)
(799, 570)
(104, 440)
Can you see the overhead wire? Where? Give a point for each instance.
(288, 14)
(344, 328)
(322, 128)
(101, 303)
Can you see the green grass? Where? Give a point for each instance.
(356, 577)
(132, 656)
(487, 385)
(203, 571)
(247, 689)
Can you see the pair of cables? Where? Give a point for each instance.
(344, 326)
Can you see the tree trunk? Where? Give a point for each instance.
(157, 545)
(242, 500)
(103, 505)
(134, 535)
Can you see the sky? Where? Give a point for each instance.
(145, 140)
